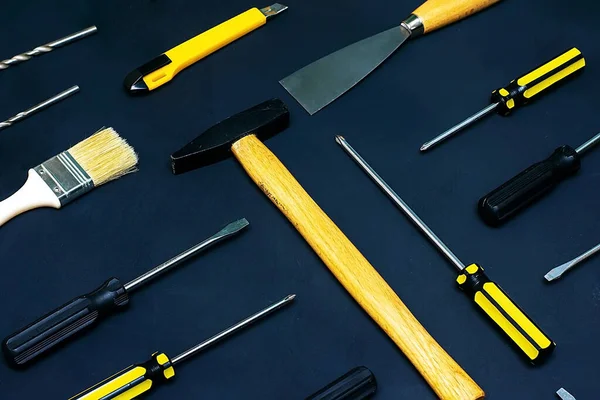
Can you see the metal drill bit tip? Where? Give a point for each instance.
(45, 104)
(273, 10)
(233, 329)
(223, 234)
(564, 395)
(48, 47)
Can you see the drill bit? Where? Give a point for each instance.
(48, 47)
(39, 107)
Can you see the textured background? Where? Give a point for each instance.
(131, 225)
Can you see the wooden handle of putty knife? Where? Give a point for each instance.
(435, 14)
(361, 280)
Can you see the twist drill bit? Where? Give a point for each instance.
(39, 107)
(48, 47)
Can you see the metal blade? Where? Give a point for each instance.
(320, 83)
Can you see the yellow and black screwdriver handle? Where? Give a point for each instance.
(132, 381)
(493, 301)
(524, 89)
(163, 68)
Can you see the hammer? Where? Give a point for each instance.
(241, 135)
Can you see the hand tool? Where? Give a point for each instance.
(86, 311)
(102, 157)
(357, 384)
(507, 200)
(163, 68)
(39, 107)
(47, 48)
(564, 395)
(557, 272)
(240, 135)
(490, 297)
(137, 379)
(323, 81)
(523, 90)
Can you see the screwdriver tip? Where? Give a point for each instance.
(553, 275)
(339, 139)
(289, 297)
(425, 146)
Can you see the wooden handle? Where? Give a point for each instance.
(361, 280)
(436, 14)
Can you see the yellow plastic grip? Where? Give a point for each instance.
(494, 302)
(132, 381)
(522, 90)
(205, 44)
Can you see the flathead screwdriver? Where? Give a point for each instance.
(507, 200)
(523, 90)
(557, 272)
(487, 295)
(86, 311)
(140, 378)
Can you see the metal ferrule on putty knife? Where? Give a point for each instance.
(163, 68)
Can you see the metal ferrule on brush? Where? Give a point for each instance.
(67, 179)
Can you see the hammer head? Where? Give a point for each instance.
(264, 120)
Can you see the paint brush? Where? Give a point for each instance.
(102, 157)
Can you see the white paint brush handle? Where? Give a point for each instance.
(35, 193)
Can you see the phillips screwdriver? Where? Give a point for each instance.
(84, 312)
(557, 272)
(490, 298)
(523, 90)
(505, 201)
(140, 378)
(357, 384)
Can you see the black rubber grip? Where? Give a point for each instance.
(79, 314)
(502, 203)
(357, 384)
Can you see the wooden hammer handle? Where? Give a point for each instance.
(436, 14)
(361, 280)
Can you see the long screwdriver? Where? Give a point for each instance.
(507, 200)
(140, 378)
(523, 90)
(86, 311)
(490, 298)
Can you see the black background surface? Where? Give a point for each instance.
(131, 225)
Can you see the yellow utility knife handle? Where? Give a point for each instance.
(132, 381)
(524, 89)
(490, 298)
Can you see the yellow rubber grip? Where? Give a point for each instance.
(205, 44)
(494, 302)
(132, 381)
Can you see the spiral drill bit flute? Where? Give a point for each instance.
(19, 58)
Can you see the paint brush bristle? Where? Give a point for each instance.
(105, 156)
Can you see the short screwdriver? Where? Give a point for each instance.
(507, 200)
(84, 312)
(523, 90)
(490, 298)
(140, 378)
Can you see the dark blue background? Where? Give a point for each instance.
(129, 226)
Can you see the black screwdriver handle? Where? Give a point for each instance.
(72, 318)
(502, 203)
(357, 384)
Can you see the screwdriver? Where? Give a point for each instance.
(84, 312)
(523, 90)
(490, 298)
(505, 201)
(357, 384)
(557, 272)
(140, 378)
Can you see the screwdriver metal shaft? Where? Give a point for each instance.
(400, 203)
(45, 104)
(232, 329)
(223, 234)
(557, 272)
(564, 395)
(48, 47)
(459, 127)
